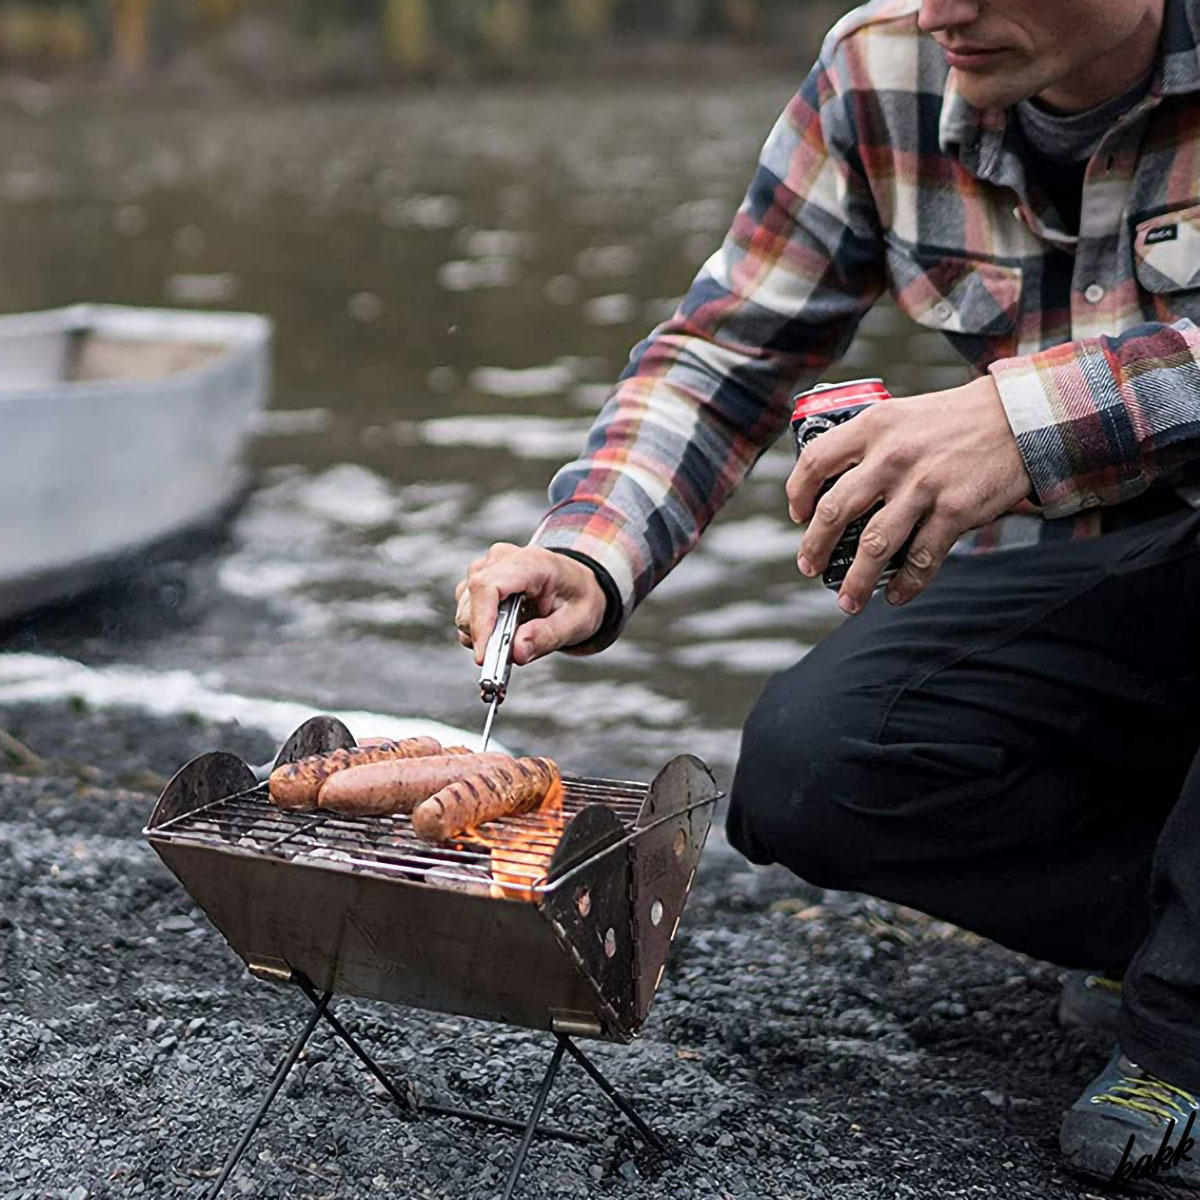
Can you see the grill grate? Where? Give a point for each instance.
(508, 857)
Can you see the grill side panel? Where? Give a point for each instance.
(664, 856)
(204, 780)
(588, 910)
(385, 939)
(618, 909)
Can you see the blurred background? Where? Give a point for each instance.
(337, 43)
(461, 215)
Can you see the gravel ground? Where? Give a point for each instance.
(803, 1044)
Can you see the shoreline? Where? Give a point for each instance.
(181, 694)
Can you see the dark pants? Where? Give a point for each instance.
(1016, 751)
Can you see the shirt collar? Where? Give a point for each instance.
(976, 136)
(1178, 69)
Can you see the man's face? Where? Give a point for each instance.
(1003, 51)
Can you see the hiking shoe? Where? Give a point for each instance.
(1130, 1127)
(1089, 1001)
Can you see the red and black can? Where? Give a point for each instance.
(818, 410)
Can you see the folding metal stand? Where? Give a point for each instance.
(412, 1108)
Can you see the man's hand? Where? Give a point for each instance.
(942, 464)
(564, 603)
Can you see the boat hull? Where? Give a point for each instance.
(95, 470)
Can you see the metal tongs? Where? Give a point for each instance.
(498, 659)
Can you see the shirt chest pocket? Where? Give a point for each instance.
(974, 302)
(1167, 260)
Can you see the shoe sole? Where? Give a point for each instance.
(1086, 1155)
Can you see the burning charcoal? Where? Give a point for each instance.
(328, 854)
(473, 881)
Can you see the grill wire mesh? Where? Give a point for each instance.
(508, 857)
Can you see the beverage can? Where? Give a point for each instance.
(816, 411)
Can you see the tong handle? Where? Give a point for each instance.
(497, 659)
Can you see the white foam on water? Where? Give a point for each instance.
(445, 513)
(38, 678)
(699, 572)
(591, 396)
(261, 578)
(749, 656)
(349, 495)
(606, 262)
(282, 421)
(386, 610)
(617, 309)
(777, 464)
(705, 215)
(29, 181)
(422, 212)
(220, 288)
(756, 539)
(604, 704)
(496, 243)
(465, 275)
(365, 307)
(510, 516)
(528, 381)
(526, 437)
(808, 603)
(427, 557)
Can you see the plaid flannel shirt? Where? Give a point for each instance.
(880, 177)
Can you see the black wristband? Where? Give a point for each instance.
(612, 597)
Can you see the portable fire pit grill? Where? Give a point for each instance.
(559, 921)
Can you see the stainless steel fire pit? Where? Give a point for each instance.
(558, 921)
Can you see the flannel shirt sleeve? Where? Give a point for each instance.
(1098, 421)
(709, 390)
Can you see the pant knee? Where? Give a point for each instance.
(784, 801)
(806, 834)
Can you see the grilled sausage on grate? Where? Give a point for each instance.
(383, 788)
(501, 791)
(296, 785)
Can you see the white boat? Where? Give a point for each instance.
(119, 428)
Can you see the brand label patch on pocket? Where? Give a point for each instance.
(1164, 233)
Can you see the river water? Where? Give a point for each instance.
(457, 279)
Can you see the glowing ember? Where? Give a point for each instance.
(522, 847)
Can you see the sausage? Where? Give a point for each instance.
(519, 786)
(295, 785)
(383, 788)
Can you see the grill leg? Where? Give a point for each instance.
(404, 1102)
(611, 1092)
(539, 1104)
(417, 1107)
(277, 1082)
